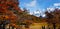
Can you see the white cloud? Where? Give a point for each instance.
(58, 8)
(22, 9)
(31, 13)
(43, 15)
(31, 4)
(37, 12)
(50, 9)
(56, 4)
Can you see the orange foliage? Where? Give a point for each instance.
(9, 14)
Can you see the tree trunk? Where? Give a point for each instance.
(43, 27)
(12, 27)
(54, 26)
(3, 26)
(48, 27)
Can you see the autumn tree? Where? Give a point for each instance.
(53, 17)
(8, 10)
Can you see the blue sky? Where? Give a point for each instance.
(40, 5)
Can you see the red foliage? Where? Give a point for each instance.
(8, 14)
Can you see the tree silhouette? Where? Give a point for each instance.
(53, 17)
